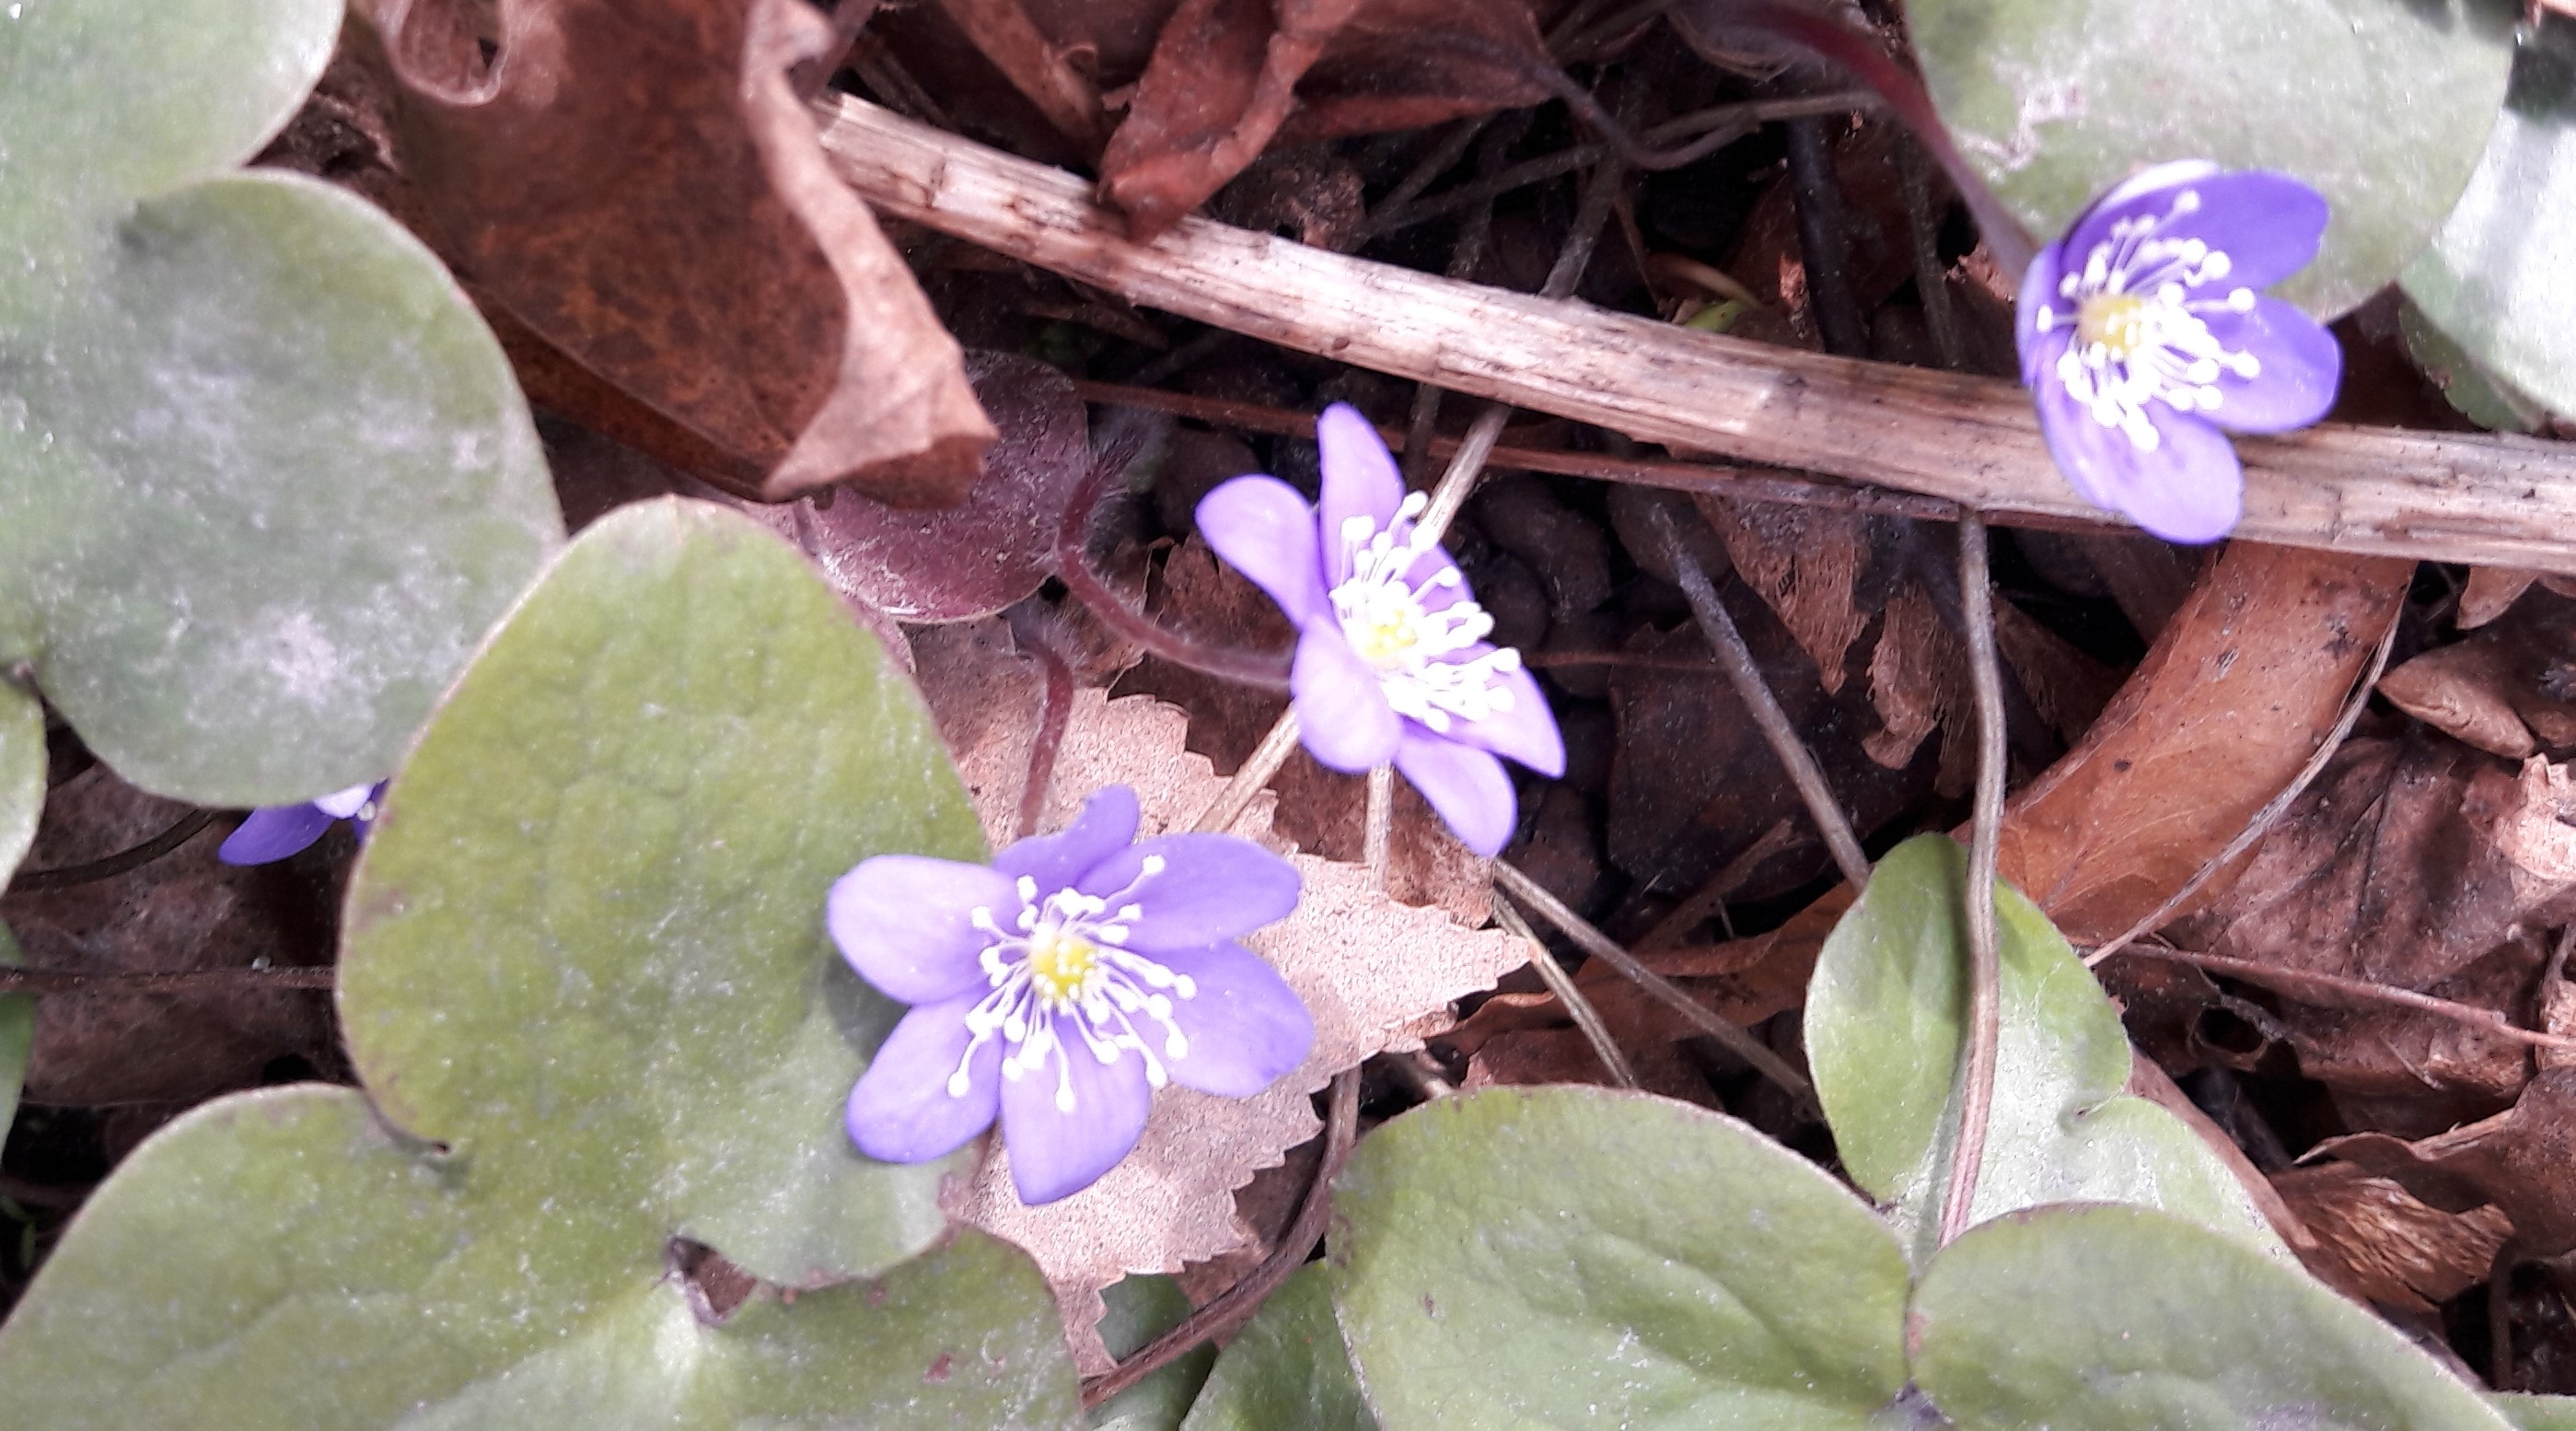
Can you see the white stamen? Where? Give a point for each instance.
(2139, 285)
(1412, 648)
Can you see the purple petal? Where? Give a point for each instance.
(2267, 224)
(1266, 531)
(2189, 489)
(1056, 1152)
(273, 834)
(1342, 715)
(1106, 825)
(1360, 480)
(1245, 1026)
(901, 1111)
(1469, 788)
(1526, 733)
(2039, 290)
(2301, 367)
(1211, 888)
(905, 922)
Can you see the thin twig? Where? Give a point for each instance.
(15, 980)
(1824, 241)
(1236, 1304)
(1422, 1073)
(1561, 984)
(1931, 278)
(48, 1195)
(1736, 660)
(2256, 828)
(1711, 897)
(1985, 830)
(110, 866)
(1606, 949)
(1249, 777)
(2288, 982)
(1377, 833)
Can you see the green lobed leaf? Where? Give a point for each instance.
(2111, 1318)
(1139, 1309)
(2476, 393)
(1581, 1257)
(585, 976)
(22, 800)
(1885, 1016)
(2537, 1413)
(2500, 280)
(1287, 1367)
(281, 1258)
(265, 477)
(2382, 105)
(17, 1039)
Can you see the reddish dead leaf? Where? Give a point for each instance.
(2414, 864)
(636, 183)
(1227, 76)
(2506, 690)
(987, 552)
(2376, 1242)
(1376, 975)
(185, 911)
(2522, 1162)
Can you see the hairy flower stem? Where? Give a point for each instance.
(1235, 1305)
(1560, 983)
(1985, 966)
(1664, 991)
(1736, 660)
(1377, 836)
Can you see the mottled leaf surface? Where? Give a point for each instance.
(265, 479)
(2382, 105)
(1579, 1257)
(586, 980)
(2500, 280)
(2123, 1319)
(1287, 1367)
(1885, 1015)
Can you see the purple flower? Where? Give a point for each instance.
(1061, 986)
(1392, 660)
(274, 833)
(2145, 343)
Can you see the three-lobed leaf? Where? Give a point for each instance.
(2382, 105)
(586, 979)
(265, 477)
(1885, 1020)
(2124, 1319)
(1576, 1256)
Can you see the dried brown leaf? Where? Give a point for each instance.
(2521, 1162)
(1806, 563)
(636, 182)
(1227, 76)
(2506, 689)
(2376, 1242)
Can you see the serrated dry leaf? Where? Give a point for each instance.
(1376, 975)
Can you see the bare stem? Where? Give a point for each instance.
(1377, 836)
(2289, 983)
(1606, 949)
(1736, 660)
(1255, 772)
(1561, 984)
(110, 866)
(1985, 966)
(1235, 1305)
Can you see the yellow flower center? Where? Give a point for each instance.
(2115, 321)
(1388, 635)
(1060, 964)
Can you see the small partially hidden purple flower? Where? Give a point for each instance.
(2145, 343)
(273, 833)
(1392, 661)
(1060, 986)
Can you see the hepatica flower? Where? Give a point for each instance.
(2145, 342)
(1392, 661)
(278, 831)
(1060, 986)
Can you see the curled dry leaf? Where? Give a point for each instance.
(635, 182)
(1227, 76)
(2522, 1162)
(2374, 1241)
(986, 552)
(2509, 690)
(1376, 975)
